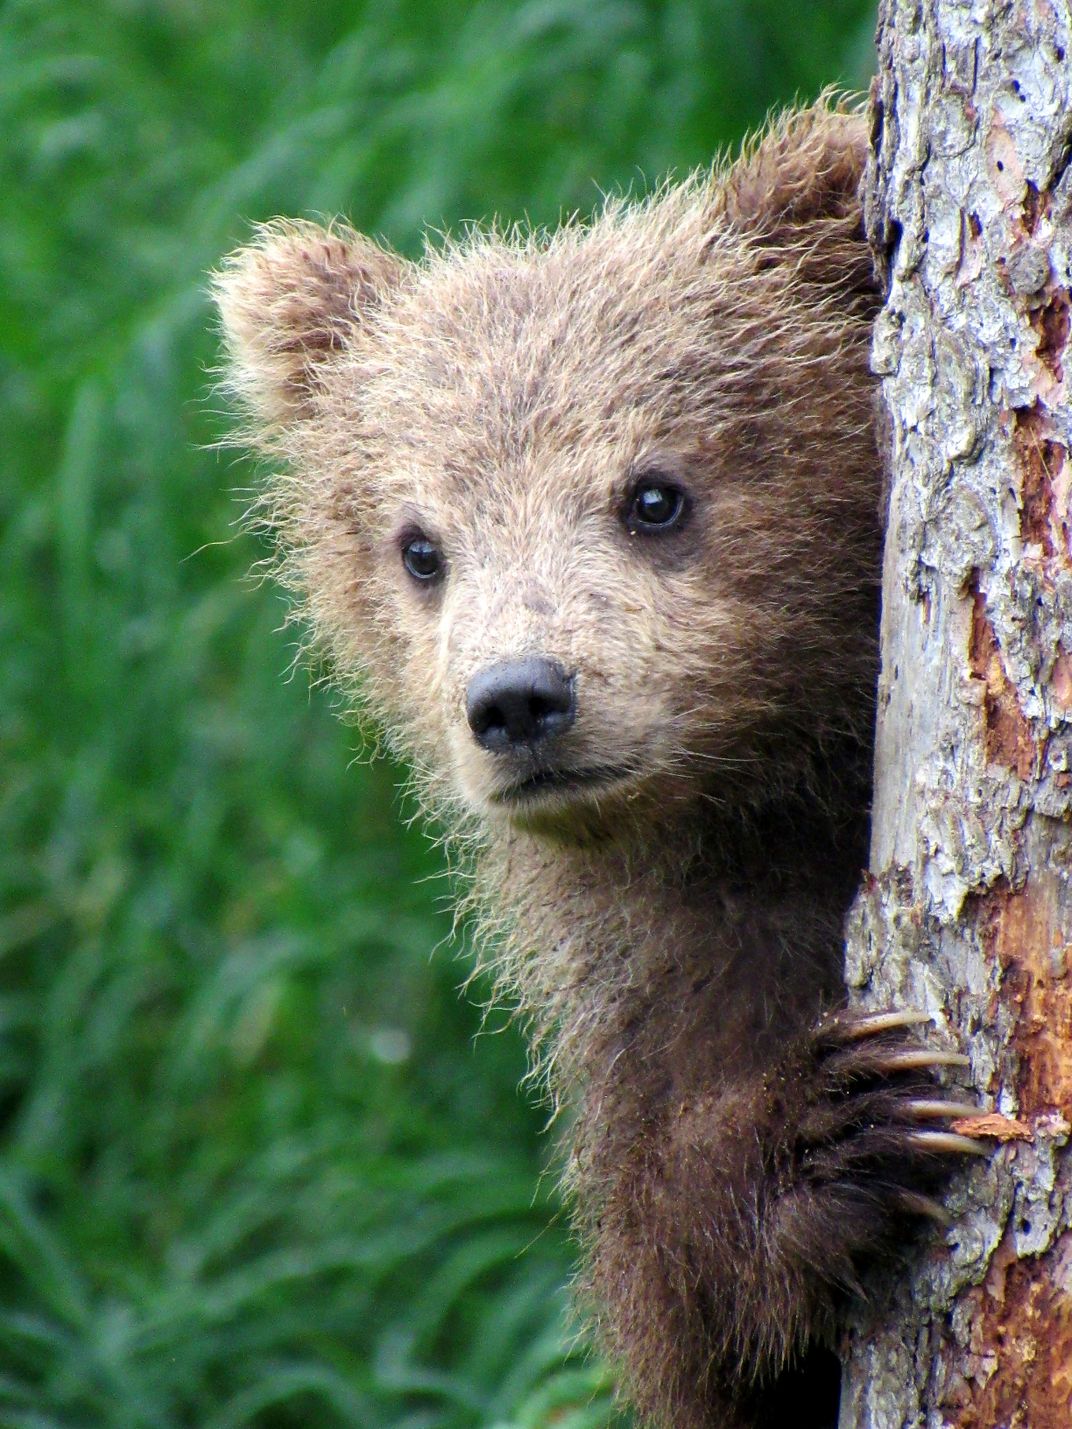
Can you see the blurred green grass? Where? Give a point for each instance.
(254, 1167)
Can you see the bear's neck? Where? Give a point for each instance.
(716, 917)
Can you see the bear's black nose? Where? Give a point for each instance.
(519, 703)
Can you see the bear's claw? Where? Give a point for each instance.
(871, 1121)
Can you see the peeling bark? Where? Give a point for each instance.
(967, 913)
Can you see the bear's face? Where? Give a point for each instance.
(545, 526)
(553, 501)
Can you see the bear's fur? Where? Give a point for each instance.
(662, 883)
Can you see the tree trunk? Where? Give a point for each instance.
(968, 912)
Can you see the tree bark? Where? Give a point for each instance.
(967, 913)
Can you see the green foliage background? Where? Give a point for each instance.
(256, 1167)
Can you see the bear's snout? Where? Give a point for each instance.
(516, 703)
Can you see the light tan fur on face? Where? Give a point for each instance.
(501, 397)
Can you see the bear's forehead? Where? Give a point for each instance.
(505, 348)
(499, 324)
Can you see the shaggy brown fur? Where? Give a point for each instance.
(662, 878)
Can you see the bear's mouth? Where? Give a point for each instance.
(549, 781)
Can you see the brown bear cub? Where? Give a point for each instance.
(590, 519)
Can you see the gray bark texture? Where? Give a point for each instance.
(967, 913)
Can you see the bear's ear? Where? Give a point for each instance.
(288, 302)
(796, 191)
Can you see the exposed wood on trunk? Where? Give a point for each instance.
(968, 912)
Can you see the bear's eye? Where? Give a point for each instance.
(655, 505)
(423, 559)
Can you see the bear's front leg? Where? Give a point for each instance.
(733, 1220)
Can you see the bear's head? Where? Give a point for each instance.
(589, 518)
